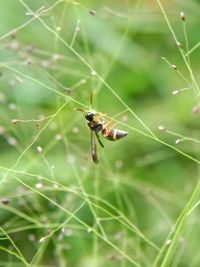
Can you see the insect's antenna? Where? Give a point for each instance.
(91, 99)
(80, 109)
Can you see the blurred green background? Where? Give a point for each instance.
(63, 209)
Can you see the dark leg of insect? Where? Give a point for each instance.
(98, 138)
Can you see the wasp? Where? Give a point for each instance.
(97, 123)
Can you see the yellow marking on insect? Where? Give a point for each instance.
(115, 135)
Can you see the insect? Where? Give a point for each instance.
(97, 122)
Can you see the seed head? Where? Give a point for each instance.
(13, 34)
(31, 237)
(56, 57)
(58, 29)
(29, 48)
(179, 45)
(83, 81)
(93, 73)
(168, 242)
(174, 67)
(12, 46)
(12, 141)
(176, 92)
(14, 121)
(182, 16)
(68, 90)
(43, 239)
(75, 130)
(5, 201)
(37, 126)
(12, 106)
(39, 149)
(92, 12)
(29, 60)
(161, 128)
(38, 185)
(58, 137)
(177, 141)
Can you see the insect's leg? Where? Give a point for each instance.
(98, 138)
(101, 115)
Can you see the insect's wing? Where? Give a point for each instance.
(94, 148)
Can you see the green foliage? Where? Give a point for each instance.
(139, 205)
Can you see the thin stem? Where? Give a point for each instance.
(196, 87)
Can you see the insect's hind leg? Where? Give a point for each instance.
(98, 138)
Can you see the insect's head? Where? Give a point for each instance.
(89, 115)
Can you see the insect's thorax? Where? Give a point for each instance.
(95, 125)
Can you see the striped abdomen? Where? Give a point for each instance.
(114, 134)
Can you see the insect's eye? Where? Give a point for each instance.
(89, 116)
